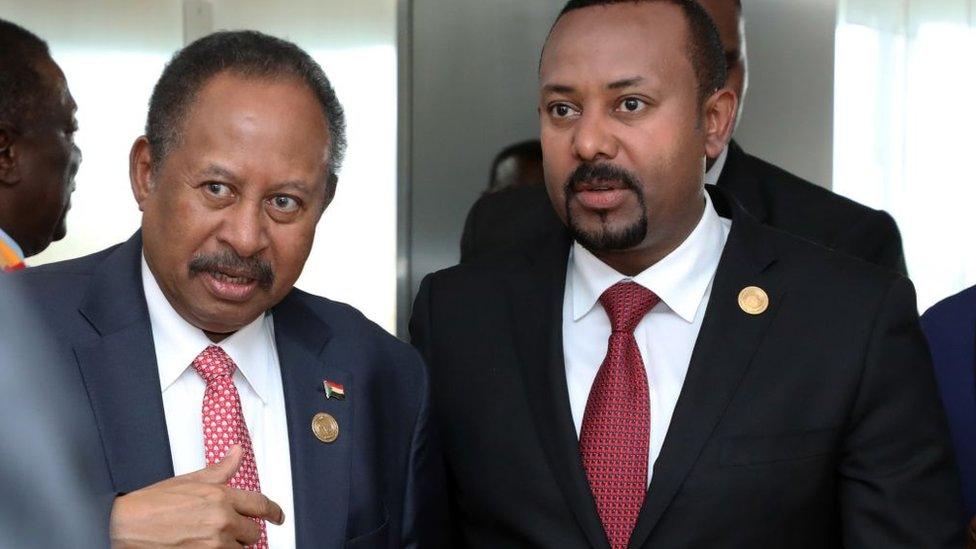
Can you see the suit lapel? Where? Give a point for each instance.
(537, 298)
(319, 471)
(726, 344)
(739, 180)
(120, 373)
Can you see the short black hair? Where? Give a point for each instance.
(530, 149)
(704, 43)
(23, 90)
(249, 54)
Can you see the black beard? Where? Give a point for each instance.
(606, 239)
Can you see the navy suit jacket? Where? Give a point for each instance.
(378, 485)
(950, 326)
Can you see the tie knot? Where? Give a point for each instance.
(626, 304)
(213, 363)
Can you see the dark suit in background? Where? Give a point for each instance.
(950, 326)
(772, 195)
(814, 424)
(378, 485)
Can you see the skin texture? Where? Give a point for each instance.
(193, 510)
(247, 185)
(617, 88)
(732, 31)
(38, 164)
(248, 180)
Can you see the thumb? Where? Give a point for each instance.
(222, 471)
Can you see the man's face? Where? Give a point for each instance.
(731, 29)
(47, 161)
(229, 215)
(624, 138)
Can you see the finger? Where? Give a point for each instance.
(246, 530)
(220, 472)
(257, 505)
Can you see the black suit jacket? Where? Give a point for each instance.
(772, 195)
(814, 424)
(377, 486)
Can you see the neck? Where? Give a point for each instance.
(217, 337)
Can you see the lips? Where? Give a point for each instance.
(601, 194)
(229, 286)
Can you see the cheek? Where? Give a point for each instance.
(292, 245)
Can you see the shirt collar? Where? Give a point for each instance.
(681, 279)
(9, 241)
(712, 176)
(178, 342)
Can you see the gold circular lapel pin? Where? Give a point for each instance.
(753, 300)
(325, 427)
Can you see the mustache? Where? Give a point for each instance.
(229, 262)
(586, 173)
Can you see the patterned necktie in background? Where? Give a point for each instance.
(616, 429)
(223, 423)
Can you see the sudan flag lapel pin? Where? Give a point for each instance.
(334, 390)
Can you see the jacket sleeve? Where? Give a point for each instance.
(425, 502)
(898, 484)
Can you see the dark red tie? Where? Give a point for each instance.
(616, 428)
(223, 423)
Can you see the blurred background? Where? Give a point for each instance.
(867, 97)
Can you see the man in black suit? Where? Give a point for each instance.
(668, 372)
(772, 195)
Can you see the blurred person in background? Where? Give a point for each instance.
(38, 155)
(51, 462)
(514, 205)
(780, 199)
(234, 409)
(772, 195)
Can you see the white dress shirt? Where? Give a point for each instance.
(712, 175)
(666, 336)
(258, 380)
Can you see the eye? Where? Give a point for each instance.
(632, 105)
(285, 203)
(218, 190)
(561, 110)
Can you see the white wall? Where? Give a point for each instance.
(788, 117)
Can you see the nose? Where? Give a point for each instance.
(245, 229)
(594, 139)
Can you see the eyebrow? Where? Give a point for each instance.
(625, 83)
(615, 85)
(214, 170)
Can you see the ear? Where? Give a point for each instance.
(140, 170)
(719, 120)
(9, 165)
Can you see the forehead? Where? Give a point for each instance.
(269, 114)
(611, 42)
(57, 85)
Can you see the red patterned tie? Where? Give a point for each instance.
(223, 423)
(616, 428)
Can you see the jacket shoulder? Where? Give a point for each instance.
(952, 313)
(350, 327)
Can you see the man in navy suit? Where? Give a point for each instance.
(232, 409)
(950, 326)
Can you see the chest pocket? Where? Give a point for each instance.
(377, 538)
(757, 450)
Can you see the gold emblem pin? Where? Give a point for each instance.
(753, 300)
(325, 427)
